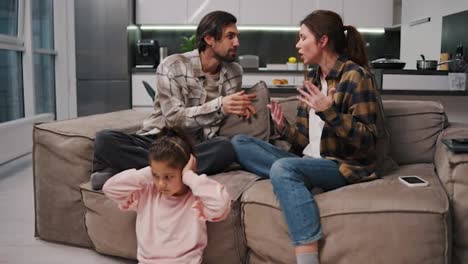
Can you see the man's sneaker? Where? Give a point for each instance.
(99, 178)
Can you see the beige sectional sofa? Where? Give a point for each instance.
(381, 221)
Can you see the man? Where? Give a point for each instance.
(195, 92)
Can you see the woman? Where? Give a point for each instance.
(335, 131)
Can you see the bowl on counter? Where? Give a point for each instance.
(384, 63)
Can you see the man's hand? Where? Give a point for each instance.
(277, 114)
(239, 104)
(314, 97)
(191, 165)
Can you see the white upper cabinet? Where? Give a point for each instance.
(333, 5)
(265, 12)
(412, 11)
(360, 13)
(368, 13)
(199, 8)
(301, 8)
(154, 12)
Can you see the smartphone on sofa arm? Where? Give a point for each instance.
(460, 140)
(413, 181)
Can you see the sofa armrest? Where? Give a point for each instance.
(62, 160)
(452, 170)
(447, 163)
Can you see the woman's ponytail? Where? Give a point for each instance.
(341, 39)
(355, 46)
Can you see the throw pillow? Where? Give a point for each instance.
(259, 124)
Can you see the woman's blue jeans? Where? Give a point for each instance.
(292, 177)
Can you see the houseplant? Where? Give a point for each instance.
(188, 43)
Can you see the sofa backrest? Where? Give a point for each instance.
(414, 127)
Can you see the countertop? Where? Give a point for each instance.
(290, 90)
(246, 70)
(409, 72)
(265, 70)
(143, 70)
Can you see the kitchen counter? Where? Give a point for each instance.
(265, 70)
(290, 90)
(246, 70)
(389, 82)
(416, 82)
(143, 70)
(409, 72)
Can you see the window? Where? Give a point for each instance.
(37, 66)
(11, 88)
(9, 17)
(44, 82)
(34, 93)
(44, 56)
(11, 74)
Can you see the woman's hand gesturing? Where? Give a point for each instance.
(277, 114)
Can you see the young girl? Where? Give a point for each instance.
(172, 202)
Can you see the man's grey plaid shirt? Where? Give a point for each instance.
(181, 98)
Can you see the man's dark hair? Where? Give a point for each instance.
(212, 25)
(172, 146)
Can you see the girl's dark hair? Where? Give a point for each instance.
(324, 22)
(171, 146)
(212, 24)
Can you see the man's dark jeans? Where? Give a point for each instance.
(117, 151)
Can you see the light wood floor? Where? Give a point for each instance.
(17, 242)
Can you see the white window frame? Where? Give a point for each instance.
(65, 62)
(64, 51)
(16, 43)
(19, 40)
(52, 52)
(14, 134)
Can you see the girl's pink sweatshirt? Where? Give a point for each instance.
(169, 229)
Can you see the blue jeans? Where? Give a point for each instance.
(291, 177)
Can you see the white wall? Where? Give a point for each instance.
(424, 38)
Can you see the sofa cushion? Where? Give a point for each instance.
(414, 127)
(402, 224)
(259, 124)
(113, 231)
(62, 154)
